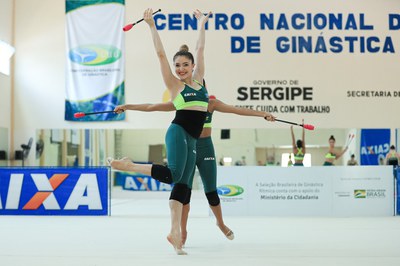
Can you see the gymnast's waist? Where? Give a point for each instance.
(192, 121)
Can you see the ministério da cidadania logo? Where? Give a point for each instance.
(229, 190)
(94, 55)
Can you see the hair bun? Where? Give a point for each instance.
(184, 48)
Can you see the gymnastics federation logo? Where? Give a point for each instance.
(360, 194)
(229, 190)
(94, 55)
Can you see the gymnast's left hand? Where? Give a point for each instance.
(200, 16)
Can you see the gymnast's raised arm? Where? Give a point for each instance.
(173, 83)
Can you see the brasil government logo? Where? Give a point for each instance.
(360, 194)
(229, 190)
(94, 55)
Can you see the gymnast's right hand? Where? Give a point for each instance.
(120, 109)
(148, 17)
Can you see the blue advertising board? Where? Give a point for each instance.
(54, 191)
(374, 146)
(138, 182)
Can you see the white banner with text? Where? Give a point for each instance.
(306, 191)
(333, 64)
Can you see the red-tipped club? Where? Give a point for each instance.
(305, 126)
(129, 26)
(309, 127)
(82, 114)
(79, 115)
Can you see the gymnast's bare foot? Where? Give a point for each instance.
(175, 241)
(125, 164)
(183, 237)
(227, 232)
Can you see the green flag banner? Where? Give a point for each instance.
(95, 62)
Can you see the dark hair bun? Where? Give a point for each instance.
(184, 48)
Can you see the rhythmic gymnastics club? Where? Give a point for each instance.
(82, 114)
(129, 26)
(350, 139)
(306, 126)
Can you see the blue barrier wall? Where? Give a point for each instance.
(139, 182)
(54, 191)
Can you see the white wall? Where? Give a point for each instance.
(6, 17)
(40, 59)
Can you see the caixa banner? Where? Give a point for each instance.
(138, 182)
(54, 191)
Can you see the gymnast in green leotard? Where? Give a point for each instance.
(299, 148)
(205, 155)
(332, 154)
(190, 99)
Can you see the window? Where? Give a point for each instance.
(6, 52)
(227, 161)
